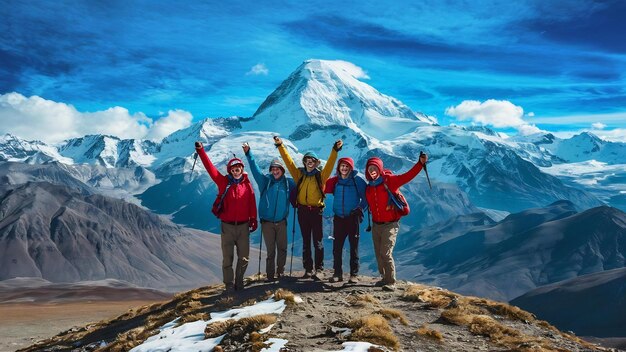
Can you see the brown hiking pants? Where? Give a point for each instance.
(235, 236)
(275, 237)
(384, 236)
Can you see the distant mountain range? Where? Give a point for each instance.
(67, 234)
(503, 260)
(589, 305)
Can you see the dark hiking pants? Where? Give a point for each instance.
(310, 220)
(342, 228)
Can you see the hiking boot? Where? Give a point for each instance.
(307, 275)
(379, 283)
(353, 279)
(271, 279)
(389, 287)
(336, 279)
(318, 275)
(229, 287)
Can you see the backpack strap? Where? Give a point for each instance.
(318, 179)
(224, 193)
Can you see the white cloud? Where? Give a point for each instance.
(174, 121)
(526, 130)
(49, 121)
(258, 69)
(496, 113)
(598, 126)
(531, 114)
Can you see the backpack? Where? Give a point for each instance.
(398, 200)
(218, 204)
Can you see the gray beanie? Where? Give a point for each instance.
(277, 163)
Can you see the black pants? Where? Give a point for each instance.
(342, 228)
(310, 220)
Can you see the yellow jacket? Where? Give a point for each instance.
(309, 191)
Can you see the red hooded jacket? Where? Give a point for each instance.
(377, 196)
(239, 203)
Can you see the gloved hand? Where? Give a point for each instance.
(198, 145)
(253, 224)
(359, 214)
(338, 145)
(277, 141)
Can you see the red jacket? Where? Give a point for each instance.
(377, 196)
(239, 203)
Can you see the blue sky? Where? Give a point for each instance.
(563, 62)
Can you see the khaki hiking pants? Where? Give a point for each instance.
(235, 236)
(384, 237)
(275, 237)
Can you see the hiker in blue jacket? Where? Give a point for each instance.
(273, 207)
(348, 205)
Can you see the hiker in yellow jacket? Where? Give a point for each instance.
(310, 183)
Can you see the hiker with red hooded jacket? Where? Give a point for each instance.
(348, 205)
(380, 192)
(235, 206)
(310, 199)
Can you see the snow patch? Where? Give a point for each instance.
(275, 345)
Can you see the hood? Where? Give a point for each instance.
(376, 162)
(348, 161)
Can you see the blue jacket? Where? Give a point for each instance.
(274, 194)
(349, 194)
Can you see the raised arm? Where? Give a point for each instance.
(330, 164)
(216, 176)
(399, 180)
(291, 166)
(260, 179)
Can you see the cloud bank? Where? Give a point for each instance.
(49, 121)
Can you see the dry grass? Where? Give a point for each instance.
(487, 326)
(435, 297)
(237, 329)
(194, 317)
(374, 329)
(426, 331)
(503, 309)
(288, 296)
(218, 328)
(390, 314)
(361, 300)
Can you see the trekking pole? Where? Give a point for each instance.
(426, 171)
(293, 238)
(195, 158)
(260, 249)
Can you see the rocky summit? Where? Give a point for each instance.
(305, 315)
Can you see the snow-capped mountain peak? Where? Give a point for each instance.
(329, 93)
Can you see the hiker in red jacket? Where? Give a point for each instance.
(385, 215)
(235, 206)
